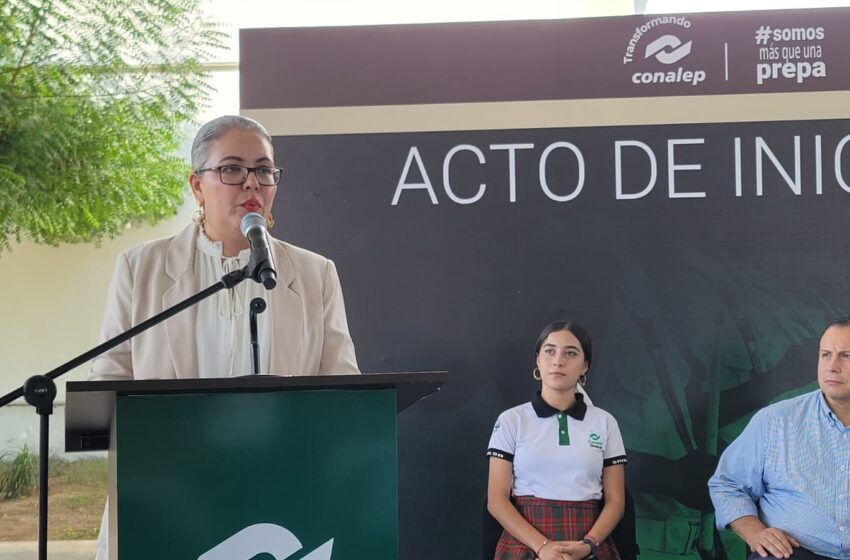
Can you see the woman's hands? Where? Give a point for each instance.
(564, 550)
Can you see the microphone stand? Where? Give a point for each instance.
(40, 390)
(258, 305)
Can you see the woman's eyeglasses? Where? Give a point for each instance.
(238, 174)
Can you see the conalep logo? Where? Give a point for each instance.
(667, 49)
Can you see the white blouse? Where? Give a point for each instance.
(222, 328)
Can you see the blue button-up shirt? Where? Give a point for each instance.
(791, 468)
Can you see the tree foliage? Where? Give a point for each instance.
(94, 95)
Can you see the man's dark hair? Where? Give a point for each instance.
(840, 322)
(843, 321)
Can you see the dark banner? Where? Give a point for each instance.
(704, 260)
(475, 182)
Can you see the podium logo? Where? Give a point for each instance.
(264, 538)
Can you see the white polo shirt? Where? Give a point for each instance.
(557, 455)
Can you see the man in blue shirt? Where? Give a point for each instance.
(784, 484)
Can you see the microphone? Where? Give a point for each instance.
(260, 266)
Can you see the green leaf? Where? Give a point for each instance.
(94, 95)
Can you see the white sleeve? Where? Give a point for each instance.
(338, 349)
(117, 363)
(614, 452)
(503, 440)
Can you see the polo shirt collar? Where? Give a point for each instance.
(545, 410)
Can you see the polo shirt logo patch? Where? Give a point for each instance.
(594, 440)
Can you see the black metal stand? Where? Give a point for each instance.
(258, 305)
(40, 390)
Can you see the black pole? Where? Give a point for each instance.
(258, 305)
(39, 391)
(42, 486)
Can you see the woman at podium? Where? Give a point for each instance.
(303, 331)
(553, 458)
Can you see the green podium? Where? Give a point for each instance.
(233, 468)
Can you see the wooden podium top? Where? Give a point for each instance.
(89, 404)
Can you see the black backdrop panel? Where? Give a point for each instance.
(701, 309)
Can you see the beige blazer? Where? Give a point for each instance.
(309, 328)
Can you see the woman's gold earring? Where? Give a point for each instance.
(271, 221)
(199, 217)
(535, 373)
(582, 379)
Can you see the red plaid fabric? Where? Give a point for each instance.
(559, 521)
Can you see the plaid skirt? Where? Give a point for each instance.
(558, 521)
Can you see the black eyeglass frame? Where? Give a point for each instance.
(247, 170)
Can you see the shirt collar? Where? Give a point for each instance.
(545, 410)
(213, 249)
(828, 413)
